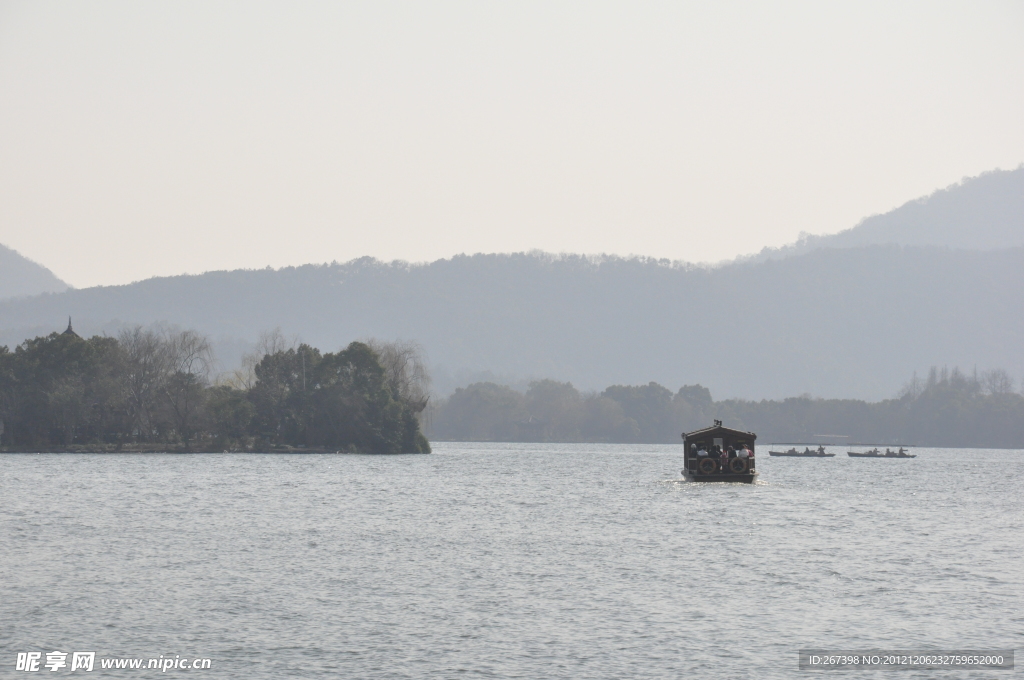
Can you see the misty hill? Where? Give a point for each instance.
(849, 323)
(979, 213)
(20, 276)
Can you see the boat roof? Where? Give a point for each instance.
(718, 428)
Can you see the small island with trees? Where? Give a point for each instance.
(150, 390)
(153, 390)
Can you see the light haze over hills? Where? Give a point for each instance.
(193, 137)
(20, 276)
(978, 213)
(854, 317)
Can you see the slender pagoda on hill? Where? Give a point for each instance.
(70, 331)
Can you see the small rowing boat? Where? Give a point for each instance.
(875, 453)
(806, 453)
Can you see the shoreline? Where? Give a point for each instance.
(135, 448)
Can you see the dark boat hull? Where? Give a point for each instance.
(744, 478)
(801, 455)
(851, 454)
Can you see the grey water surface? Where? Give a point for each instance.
(506, 561)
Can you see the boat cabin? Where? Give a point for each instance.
(719, 464)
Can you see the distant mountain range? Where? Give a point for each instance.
(979, 213)
(835, 322)
(844, 319)
(20, 276)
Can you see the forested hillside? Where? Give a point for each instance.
(20, 276)
(978, 213)
(937, 281)
(849, 323)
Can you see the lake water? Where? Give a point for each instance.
(506, 561)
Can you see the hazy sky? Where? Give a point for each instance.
(145, 138)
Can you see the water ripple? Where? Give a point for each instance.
(505, 561)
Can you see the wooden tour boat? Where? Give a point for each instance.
(730, 455)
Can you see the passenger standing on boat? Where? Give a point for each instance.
(732, 451)
(821, 450)
(743, 452)
(702, 453)
(723, 456)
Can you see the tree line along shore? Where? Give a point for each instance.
(151, 390)
(947, 408)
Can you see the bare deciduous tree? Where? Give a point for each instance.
(143, 370)
(406, 373)
(269, 342)
(997, 381)
(190, 353)
(190, 361)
